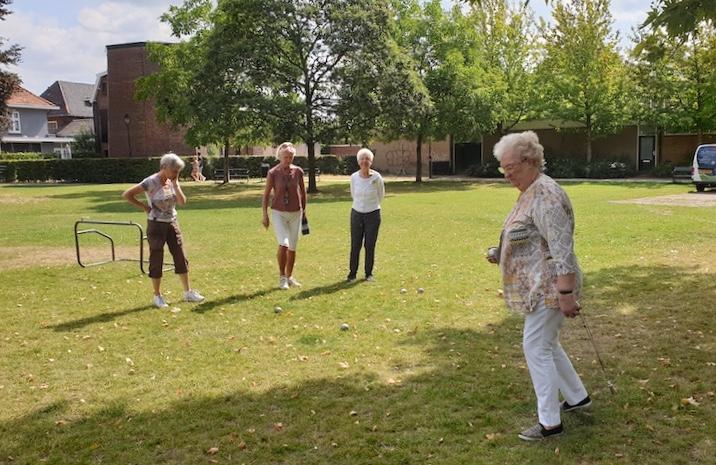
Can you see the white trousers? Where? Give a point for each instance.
(286, 226)
(549, 366)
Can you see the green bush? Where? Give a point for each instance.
(484, 170)
(129, 170)
(6, 156)
(348, 165)
(664, 170)
(564, 167)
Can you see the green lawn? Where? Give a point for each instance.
(90, 373)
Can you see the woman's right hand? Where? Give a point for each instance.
(147, 208)
(265, 221)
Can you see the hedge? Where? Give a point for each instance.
(565, 167)
(6, 156)
(127, 170)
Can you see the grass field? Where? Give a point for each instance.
(90, 373)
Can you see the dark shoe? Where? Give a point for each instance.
(586, 402)
(539, 433)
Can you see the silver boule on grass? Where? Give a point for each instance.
(345, 327)
(277, 310)
(421, 290)
(493, 254)
(403, 290)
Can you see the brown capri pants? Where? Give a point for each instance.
(158, 234)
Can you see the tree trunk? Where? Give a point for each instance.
(419, 158)
(226, 161)
(312, 188)
(589, 138)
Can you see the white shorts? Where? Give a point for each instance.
(287, 225)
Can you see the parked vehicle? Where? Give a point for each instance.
(703, 172)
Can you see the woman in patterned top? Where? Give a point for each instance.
(288, 208)
(541, 278)
(163, 194)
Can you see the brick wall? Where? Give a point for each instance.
(679, 149)
(125, 64)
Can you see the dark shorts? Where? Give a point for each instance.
(158, 234)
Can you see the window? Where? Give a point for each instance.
(15, 124)
(706, 156)
(52, 127)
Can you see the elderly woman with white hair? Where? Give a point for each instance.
(541, 278)
(288, 209)
(367, 191)
(163, 193)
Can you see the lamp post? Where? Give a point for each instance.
(128, 120)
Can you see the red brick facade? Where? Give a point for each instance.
(147, 137)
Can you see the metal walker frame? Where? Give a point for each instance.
(140, 231)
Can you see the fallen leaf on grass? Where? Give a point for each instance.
(491, 436)
(213, 451)
(344, 365)
(278, 427)
(129, 361)
(689, 401)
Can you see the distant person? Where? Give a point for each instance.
(288, 208)
(367, 191)
(196, 171)
(163, 192)
(541, 278)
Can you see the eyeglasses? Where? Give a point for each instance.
(511, 167)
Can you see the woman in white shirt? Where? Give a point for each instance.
(367, 191)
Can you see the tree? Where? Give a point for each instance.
(676, 79)
(8, 56)
(295, 52)
(198, 87)
(505, 39)
(447, 79)
(583, 78)
(680, 17)
(84, 145)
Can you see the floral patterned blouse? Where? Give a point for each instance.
(537, 245)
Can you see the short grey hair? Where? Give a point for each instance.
(525, 144)
(171, 160)
(365, 153)
(286, 147)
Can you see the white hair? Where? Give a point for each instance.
(171, 160)
(365, 153)
(525, 144)
(286, 147)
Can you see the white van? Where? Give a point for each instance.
(703, 172)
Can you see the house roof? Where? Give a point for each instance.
(74, 98)
(77, 127)
(23, 98)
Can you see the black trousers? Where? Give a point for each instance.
(364, 231)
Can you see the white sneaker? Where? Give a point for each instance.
(159, 301)
(283, 283)
(193, 296)
(292, 282)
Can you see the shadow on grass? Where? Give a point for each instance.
(325, 290)
(209, 197)
(101, 318)
(208, 305)
(462, 403)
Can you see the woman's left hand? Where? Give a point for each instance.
(568, 305)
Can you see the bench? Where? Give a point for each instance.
(681, 173)
(235, 173)
(318, 173)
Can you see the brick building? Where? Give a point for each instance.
(126, 127)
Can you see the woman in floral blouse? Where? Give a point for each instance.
(541, 278)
